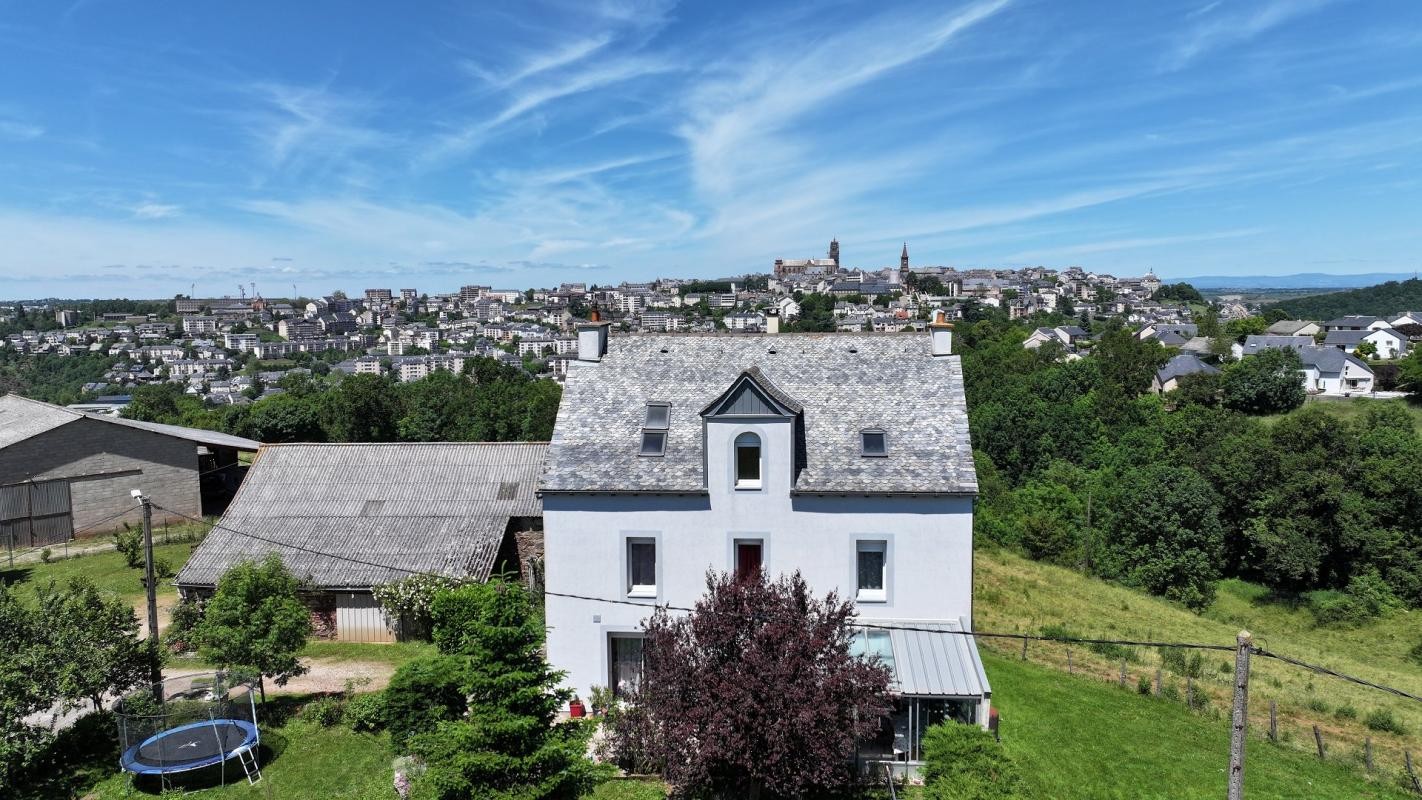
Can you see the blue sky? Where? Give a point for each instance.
(147, 146)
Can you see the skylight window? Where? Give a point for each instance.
(654, 443)
(873, 443)
(654, 429)
(658, 416)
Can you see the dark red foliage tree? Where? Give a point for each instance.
(755, 694)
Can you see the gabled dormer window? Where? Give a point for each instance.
(873, 443)
(654, 429)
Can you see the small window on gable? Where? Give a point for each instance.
(873, 442)
(748, 461)
(658, 416)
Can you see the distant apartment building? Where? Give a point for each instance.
(242, 342)
(200, 324)
(66, 319)
(367, 365)
(409, 295)
(469, 295)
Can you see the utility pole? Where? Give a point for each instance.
(1240, 724)
(156, 669)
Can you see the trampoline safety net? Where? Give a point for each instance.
(188, 723)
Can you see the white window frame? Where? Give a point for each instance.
(748, 484)
(880, 595)
(635, 589)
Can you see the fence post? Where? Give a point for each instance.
(1157, 682)
(1318, 740)
(1189, 692)
(1070, 670)
(1024, 648)
(1123, 673)
(1368, 753)
(1273, 722)
(1240, 721)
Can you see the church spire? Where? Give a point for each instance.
(903, 257)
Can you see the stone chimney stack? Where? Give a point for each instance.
(592, 337)
(940, 332)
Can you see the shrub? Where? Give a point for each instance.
(1367, 597)
(1317, 705)
(423, 693)
(1382, 720)
(963, 762)
(408, 601)
(1144, 685)
(46, 554)
(162, 570)
(130, 544)
(365, 712)
(1346, 712)
(187, 616)
(326, 711)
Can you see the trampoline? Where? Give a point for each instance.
(188, 724)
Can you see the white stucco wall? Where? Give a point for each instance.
(929, 548)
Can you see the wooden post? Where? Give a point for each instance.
(1123, 673)
(1240, 719)
(1318, 740)
(1157, 682)
(1407, 760)
(1189, 692)
(1070, 670)
(1273, 722)
(1024, 648)
(1368, 753)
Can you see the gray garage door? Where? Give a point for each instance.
(35, 514)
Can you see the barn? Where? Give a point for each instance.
(348, 517)
(65, 473)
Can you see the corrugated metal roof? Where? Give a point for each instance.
(22, 418)
(928, 663)
(440, 508)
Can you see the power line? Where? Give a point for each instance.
(865, 625)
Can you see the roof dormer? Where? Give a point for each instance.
(753, 395)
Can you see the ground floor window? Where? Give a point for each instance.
(624, 663)
(900, 734)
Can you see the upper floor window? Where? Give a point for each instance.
(748, 461)
(642, 567)
(873, 442)
(872, 570)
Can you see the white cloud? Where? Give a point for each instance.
(19, 131)
(1221, 30)
(156, 211)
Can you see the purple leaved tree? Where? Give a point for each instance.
(755, 694)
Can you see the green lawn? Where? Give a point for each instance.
(1077, 737)
(394, 654)
(1351, 408)
(1016, 594)
(106, 569)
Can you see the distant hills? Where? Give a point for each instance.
(1382, 300)
(1300, 280)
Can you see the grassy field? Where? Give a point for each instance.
(1018, 595)
(1352, 408)
(106, 569)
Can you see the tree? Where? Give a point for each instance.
(1268, 382)
(506, 745)
(1164, 534)
(289, 417)
(756, 693)
(99, 637)
(28, 665)
(256, 620)
(1366, 349)
(361, 408)
(1409, 373)
(1179, 293)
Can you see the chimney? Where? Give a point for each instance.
(940, 332)
(592, 337)
(772, 321)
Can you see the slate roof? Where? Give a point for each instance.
(845, 382)
(1351, 320)
(1330, 359)
(441, 508)
(1255, 342)
(1289, 327)
(1182, 365)
(22, 418)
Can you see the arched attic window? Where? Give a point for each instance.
(748, 461)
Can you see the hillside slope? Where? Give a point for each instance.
(1015, 594)
(1383, 299)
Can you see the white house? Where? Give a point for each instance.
(1356, 322)
(1328, 370)
(1406, 318)
(1294, 327)
(843, 456)
(1388, 342)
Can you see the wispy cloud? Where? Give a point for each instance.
(1220, 30)
(299, 128)
(569, 53)
(19, 131)
(156, 211)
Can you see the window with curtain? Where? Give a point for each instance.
(625, 669)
